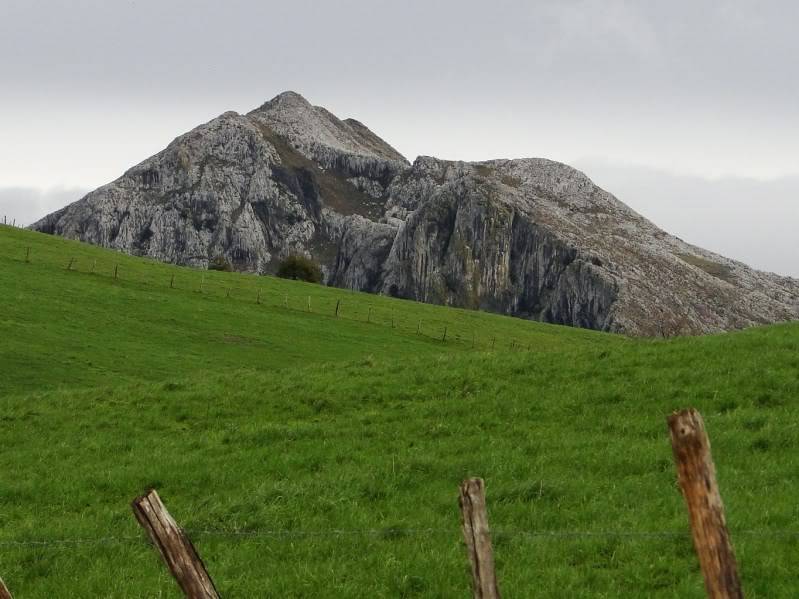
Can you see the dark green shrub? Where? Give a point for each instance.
(300, 268)
(220, 263)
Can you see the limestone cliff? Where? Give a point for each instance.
(531, 237)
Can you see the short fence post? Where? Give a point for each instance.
(478, 538)
(419, 327)
(697, 477)
(27, 255)
(175, 548)
(444, 338)
(309, 303)
(172, 282)
(338, 303)
(258, 299)
(116, 270)
(4, 592)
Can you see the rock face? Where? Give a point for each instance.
(530, 238)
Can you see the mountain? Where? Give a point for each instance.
(532, 237)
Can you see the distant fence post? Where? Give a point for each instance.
(116, 270)
(419, 327)
(444, 337)
(309, 303)
(174, 546)
(478, 538)
(338, 303)
(4, 592)
(697, 477)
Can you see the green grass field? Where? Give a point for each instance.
(311, 455)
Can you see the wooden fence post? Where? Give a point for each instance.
(444, 337)
(309, 303)
(419, 327)
(174, 546)
(478, 538)
(172, 282)
(4, 592)
(338, 303)
(697, 477)
(116, 270)
(27, 255)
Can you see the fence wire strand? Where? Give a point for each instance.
(393, 533)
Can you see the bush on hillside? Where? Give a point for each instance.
(300, 268)
(220, 263)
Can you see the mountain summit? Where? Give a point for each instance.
(531, 237)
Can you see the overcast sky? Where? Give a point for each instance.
(687, 111)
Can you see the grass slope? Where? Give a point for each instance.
(367, 430)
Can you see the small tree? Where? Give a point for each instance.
(300, 268)
(220, 263)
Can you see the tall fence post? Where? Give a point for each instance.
(174, 546)
(478, 538)
(309, 303)
(444, 337)
(4, 592)
(116, 270)
(697, 477)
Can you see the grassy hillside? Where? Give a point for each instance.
(319, 457)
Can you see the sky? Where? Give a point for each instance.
(685, 110)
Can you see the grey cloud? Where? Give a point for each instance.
(26, 205)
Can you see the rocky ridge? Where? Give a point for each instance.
(531, 237)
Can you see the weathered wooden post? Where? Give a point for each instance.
(175, 548)
(444, 337)
(4, 592)
(478, 538)
(697, 477)
(116, 270)
(419, 327)
(338, 303)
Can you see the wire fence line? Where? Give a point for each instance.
(393, 533)
(258, 292)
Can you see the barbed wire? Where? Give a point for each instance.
(390, 533)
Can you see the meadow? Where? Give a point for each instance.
(310, 455)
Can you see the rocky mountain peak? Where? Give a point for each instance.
(529, 237)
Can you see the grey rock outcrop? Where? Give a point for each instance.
(531, 238)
